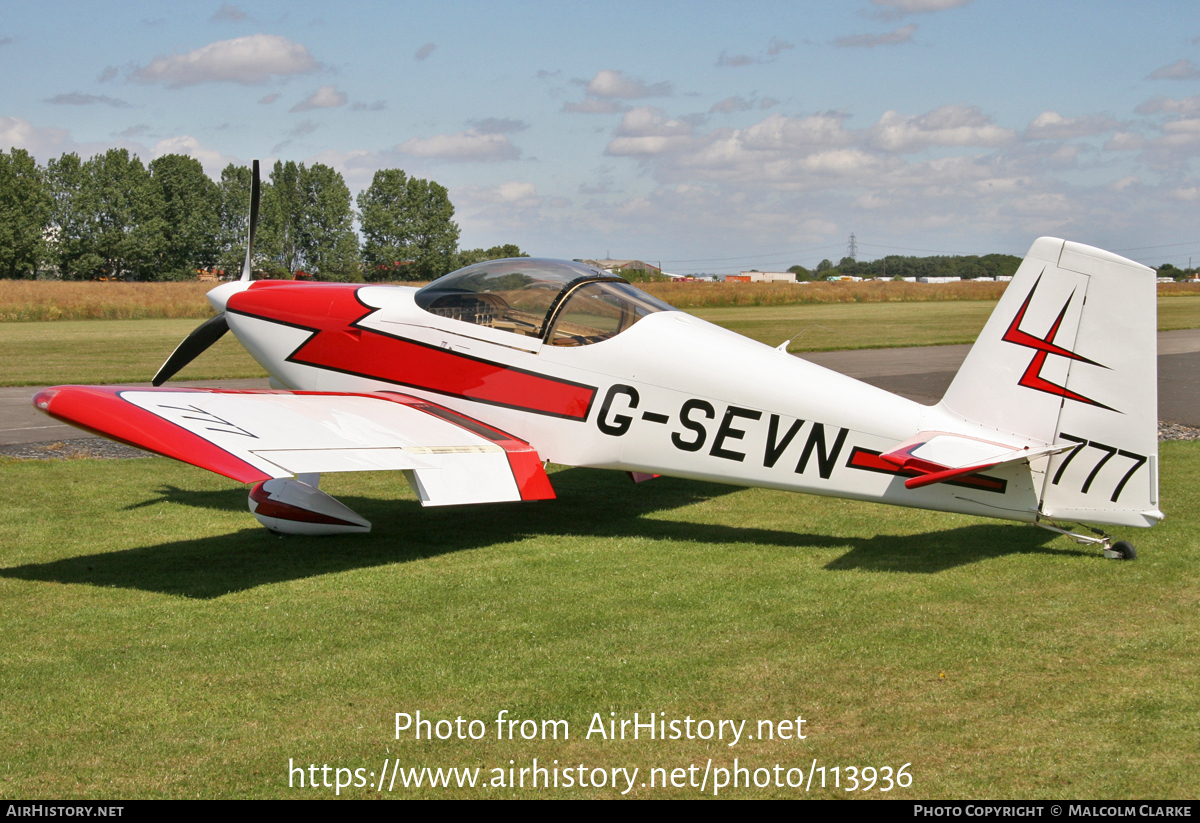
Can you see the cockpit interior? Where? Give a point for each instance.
(559, 302)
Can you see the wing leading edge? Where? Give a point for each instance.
(253, 436)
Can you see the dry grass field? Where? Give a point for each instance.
(25, 300)
(701, 295)
(50, 300)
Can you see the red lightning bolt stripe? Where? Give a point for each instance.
(1044, 346)
(332, 311)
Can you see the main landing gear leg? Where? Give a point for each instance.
(1120, 550)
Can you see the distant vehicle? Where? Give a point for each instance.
(467, 385)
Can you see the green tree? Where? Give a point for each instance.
(106, 217)
(233, 217)
(802, 273)
(280, 218)
(24, 214)
(307, 223)
(408, 228)
(125, 217)
(469, 257)
(1169, 270)
(330, 247)
(66, 235)
(190, 215)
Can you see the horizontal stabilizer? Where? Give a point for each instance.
(936, 457)
(252, 436)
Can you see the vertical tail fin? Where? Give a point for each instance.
(1070, 356)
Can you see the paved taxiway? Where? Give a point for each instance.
(922, 374)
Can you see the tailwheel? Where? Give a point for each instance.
(1121, 550)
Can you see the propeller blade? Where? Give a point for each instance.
(255, 188)
(204, 335)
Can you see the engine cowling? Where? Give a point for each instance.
(288, 506)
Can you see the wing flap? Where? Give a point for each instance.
(252, 436)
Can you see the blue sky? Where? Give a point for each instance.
(708, 136)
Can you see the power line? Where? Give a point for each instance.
(905, 248)
(763, 256)
(1166, 246)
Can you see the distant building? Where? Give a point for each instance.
(761, 277)
(618, 266)
(938, 279)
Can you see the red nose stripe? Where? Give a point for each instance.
(339, 344)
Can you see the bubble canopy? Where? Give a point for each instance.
(559, 302)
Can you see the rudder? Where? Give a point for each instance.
(1069, 356)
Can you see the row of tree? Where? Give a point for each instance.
(968, 267)
(113, 217)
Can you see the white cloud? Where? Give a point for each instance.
(19, 133)
(1156, 105)
(512, 194)
(777, 46)
(735, 60)
(499, 125)
(465, 146)
(212, 160)
(614, 85)
(814, 132)
(1179, 70)
(948, 126)
(892, 38)
(608, 88)
(900, 8)
(731, 104)
(1050, 125)
(270, 98)
(648, 120)
(1125, 141)
(593, 106)
(246, 60)
(326, 97)
(302, 128)
(646, 130)
(77, 99)
(228, 14)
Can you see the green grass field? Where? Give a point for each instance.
(155, 642)
(130, 351)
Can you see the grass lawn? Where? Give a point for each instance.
(833, 326)
(155, 642)
(130, 351)
(110, 351)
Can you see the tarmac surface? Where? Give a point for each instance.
(922, 374)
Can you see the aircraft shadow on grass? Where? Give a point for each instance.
(590, 503)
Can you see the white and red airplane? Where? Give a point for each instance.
(469, 385)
